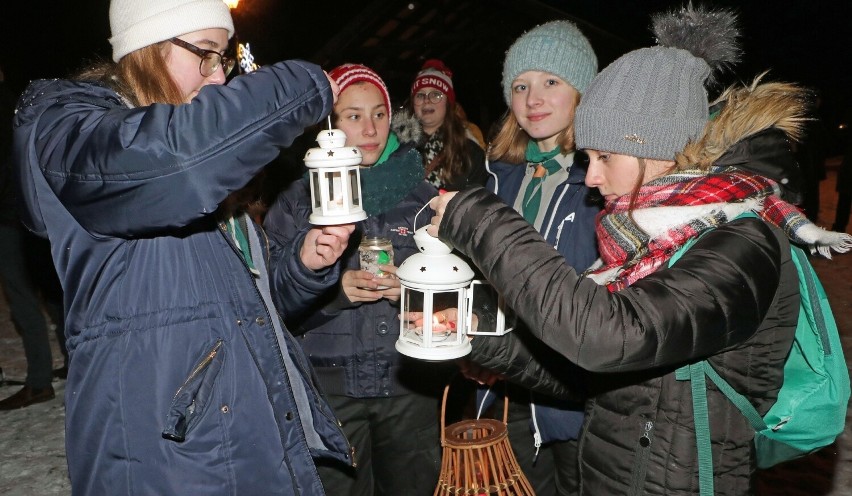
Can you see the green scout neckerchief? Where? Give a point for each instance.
(545, 166)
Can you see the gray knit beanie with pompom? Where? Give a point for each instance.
(650, 102)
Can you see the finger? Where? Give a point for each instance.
(391, 293)
(368, 295)
(390, 282)
(390, 269)
(330, 240)
(339, 232)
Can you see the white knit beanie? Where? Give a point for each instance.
(135, 24)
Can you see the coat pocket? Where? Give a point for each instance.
(193, 396)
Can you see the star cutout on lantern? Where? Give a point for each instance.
(422, 269)
(455, 269)
(330, 153)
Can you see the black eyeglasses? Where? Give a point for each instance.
(210, 59)
(434, 97)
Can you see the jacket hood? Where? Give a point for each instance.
(34, 101)
(752, 131)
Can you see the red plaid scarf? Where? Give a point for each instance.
(675, 208)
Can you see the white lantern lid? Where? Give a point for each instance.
(332, 151)
(435, 267)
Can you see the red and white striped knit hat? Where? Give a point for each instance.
(348, 74)
(434, 74)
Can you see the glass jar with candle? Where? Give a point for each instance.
(375, 251)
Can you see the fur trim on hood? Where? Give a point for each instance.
(746, 111)
(406, 126)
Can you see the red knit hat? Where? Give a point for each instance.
(434, 74)
(348, 74)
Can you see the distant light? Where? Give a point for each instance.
(842, 125)
(411, 6)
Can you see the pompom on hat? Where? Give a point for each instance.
(346, 75)
(650, 102)
(556, 47)
(135, 24)
(434, 74)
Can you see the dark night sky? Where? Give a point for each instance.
(808, 41)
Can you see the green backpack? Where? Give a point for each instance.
(811, 408)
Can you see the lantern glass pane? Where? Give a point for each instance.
(353, 187)
(431, 318)
(489, 313)
(485, 300)
(315, 184)
(412, 312)
(335, 190)
(447, 316)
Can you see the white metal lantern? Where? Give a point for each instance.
(335, 180)
(435, 284)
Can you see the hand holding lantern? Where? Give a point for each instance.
(324, 245)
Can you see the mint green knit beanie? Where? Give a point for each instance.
(557, 47)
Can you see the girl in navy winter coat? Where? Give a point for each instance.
(535, 169)
(182, 378)
(388, 404)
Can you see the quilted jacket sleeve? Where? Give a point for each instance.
(713, 298)
(128, 172)
(296, 287)
(523, 359)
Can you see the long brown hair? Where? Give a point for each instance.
(141, 76)
(510, 143)
(453, 161)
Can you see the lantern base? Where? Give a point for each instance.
(433, 354)
(333, 220)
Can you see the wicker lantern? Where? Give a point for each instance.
(477, 458)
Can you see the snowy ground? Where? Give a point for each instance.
(32, 440)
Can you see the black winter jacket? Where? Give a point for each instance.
(732, 298)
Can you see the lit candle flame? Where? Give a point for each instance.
(232, 4)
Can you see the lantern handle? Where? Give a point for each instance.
(444, 410)
(418, 213)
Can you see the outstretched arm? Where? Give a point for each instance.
(713, 298)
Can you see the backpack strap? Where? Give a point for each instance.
(696, 373)
(807, 276)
